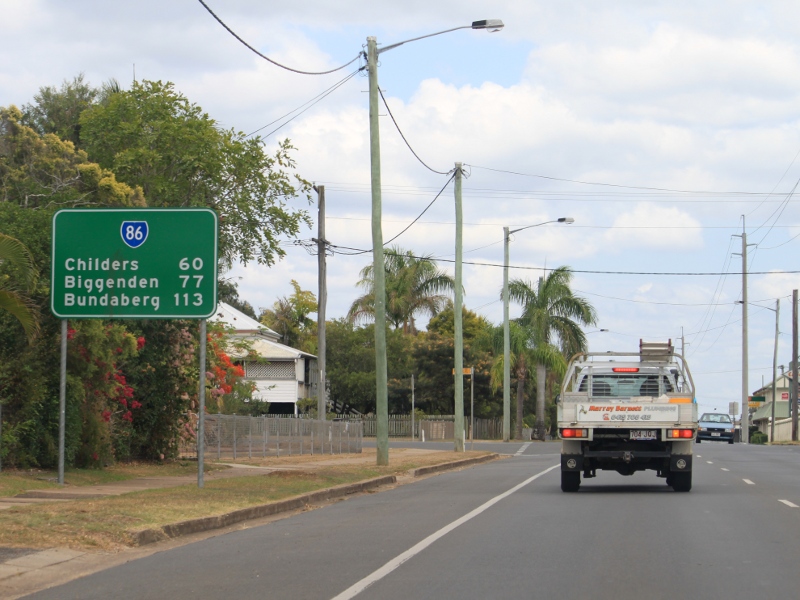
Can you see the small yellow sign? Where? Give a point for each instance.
(466, 370)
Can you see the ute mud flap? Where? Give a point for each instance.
(679, 463)
(571, 462)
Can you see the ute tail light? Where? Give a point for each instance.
(625, 369)
(680, 433)
(574, 433)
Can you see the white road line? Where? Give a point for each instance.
(524, 447)
(724, 469)
(709, 462)
(789, 504)
(398, 560)
(748, 482)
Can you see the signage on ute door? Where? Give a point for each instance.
(134, 263)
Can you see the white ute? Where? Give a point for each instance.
(628, 412)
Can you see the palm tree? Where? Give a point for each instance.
(413, 285)
(523, 362)
(13, 298)
(554, 314)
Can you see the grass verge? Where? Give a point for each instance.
(103, 524)
(13, 482)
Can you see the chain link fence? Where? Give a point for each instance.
(440, 427)
(239, 437)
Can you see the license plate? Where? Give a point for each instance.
(643, 434)
(716, 434)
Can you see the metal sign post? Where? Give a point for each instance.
(201, 406)
(62, 402)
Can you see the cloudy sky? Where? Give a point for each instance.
(663, 128)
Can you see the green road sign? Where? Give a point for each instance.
(134, 263)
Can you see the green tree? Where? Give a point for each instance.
(433, 367)
(522, 359)
(58, 111)
(351, 366)
(38, 175)
(18, 276)
(289, 317)
(46, 173)
(154, 137)
(553, 314)
(473, 325)
(414, 285)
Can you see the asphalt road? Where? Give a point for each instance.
(505, 529)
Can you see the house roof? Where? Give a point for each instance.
(262, 339)
(269, 350)
(765, 412)
(783, 383)
(241, 323)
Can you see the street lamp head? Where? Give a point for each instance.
(566, 220)
(492, 25)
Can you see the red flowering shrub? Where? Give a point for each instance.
(97, 354)
(225, 379)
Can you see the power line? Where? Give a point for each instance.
(592, 272)
(268, 59)
(780, 209)
(423, 212)
(655, 302)
(776, 185)
(316, 99)
(422, 162)
(613, 185)
(574, 226)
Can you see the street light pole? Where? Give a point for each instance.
(457, 323)
(379, 277)
(507, 327)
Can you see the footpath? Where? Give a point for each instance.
(26, 570)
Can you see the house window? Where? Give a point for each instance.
(271, 370)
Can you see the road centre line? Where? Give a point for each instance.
(709, 462)
(789, 504)
(748, 482)
(521, 450)
(398, 560)
(724, 469)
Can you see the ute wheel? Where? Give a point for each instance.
(681, 482)
(669, 480)
(570, 481)
(730, 441)
(697, 440)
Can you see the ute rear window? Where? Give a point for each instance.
(624, 385)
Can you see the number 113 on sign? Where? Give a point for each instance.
(184, 299)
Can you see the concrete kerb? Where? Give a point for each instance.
(173, 530)
(467, 462)
(202, 524)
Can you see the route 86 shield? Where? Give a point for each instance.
(134, 233)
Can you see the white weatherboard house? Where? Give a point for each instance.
(282, 374)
